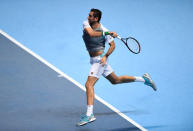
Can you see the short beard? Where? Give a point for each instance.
(92, 23)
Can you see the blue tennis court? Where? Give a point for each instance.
(35, 97)
(44, 65)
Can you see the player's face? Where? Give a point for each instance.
(91, 18)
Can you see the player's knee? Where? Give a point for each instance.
(88, 85)
(115, 81)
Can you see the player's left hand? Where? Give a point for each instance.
(103, 60)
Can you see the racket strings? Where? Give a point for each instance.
(133, 45)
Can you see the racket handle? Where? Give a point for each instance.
(119, 37)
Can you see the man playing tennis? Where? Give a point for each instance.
(95, 35)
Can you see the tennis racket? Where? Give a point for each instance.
(132, 44)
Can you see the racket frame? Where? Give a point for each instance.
(124, 40)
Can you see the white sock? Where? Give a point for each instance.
(139, 79)
(89, 110)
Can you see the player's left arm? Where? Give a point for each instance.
(109, 52)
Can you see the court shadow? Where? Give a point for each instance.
(137, 129)
(156, 126)
(135, 112)
(126, 129)
(117, 129)
(84, 130)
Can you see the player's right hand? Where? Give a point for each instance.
(113, 34)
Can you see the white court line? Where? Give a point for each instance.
(61, 74)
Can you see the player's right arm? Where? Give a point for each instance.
(89, 30)
(92, 33)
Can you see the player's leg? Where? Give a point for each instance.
(114, 79)
(89, 117)
(90, 89)
(146, 79)
(96, 71)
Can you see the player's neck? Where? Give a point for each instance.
(96, 25)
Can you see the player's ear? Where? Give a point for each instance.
(96, 18)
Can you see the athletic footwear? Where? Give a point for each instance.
(86, 119)
(149, 81)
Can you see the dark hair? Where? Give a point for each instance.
(97, 13)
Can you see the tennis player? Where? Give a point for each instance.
(95, 35)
